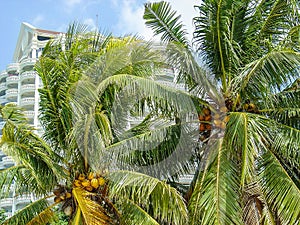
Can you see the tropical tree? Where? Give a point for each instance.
(2, 215)
(244, 62)
(82, 74)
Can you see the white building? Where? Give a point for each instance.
(19, 84)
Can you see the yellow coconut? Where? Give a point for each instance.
(81, 177)
(95, 183)
(226, 119)
(77, 183)
(217, 122)
(57, 199)
(223, 125)
(86, 183)
(68, 195)
(89, 188)
(101, 181)
(223, 109)
(217, 116)
(91, 175)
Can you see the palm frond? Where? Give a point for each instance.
(40, 164)
(267, 74)
(219, 36)
(282, 194)
(92, 212)
(133, 214)
(7, 178)
(283, 107)
(126, 56)
(38, 212)
(239, 134)
(163, 20)
(216, 193)
(154, 196)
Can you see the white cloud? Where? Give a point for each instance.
(131, 19)
(37, 20)
(72, 3)
(131, 16)
(91, 23)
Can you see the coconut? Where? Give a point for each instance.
(202, 127)
(206, 111)
(81, 177)
(86, 183)
(68, 195)
(89, 188)
(91, 175)
(68, 210)
(95, 183)
(101, 181)
(77, 183)
(57, 199)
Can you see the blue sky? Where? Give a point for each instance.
(117, 16)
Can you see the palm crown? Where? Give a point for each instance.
(249, 52)
(82, 75)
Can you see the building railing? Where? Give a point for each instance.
(28, 62)
(3, 87)
(6, 202)
(3, 74)
(27, 101)
(27, 88)
(11, 93)
(23, 199)
(12, 79)
(7, 160)
(29, 114)
(12, 67)
(27, 75)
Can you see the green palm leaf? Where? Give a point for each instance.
(38, 212)
(133, 214)
(160, 17)
(154, 196)
(216, 193)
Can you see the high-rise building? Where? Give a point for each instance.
(19, 85)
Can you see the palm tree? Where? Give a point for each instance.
(82, 75)
(248, 156)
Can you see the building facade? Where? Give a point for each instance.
(19, 85)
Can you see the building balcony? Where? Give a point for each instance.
(23, 200)
(6, 203)
(27, 88)
(28, 76)
(12, 68)
(7, 161)
(27, 101)
(3, 87)
(12, 80)
(12, 94)
(27, 64)
(29, 114)
(3, 74)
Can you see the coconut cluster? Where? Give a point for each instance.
(209, 119)
(91, 182)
